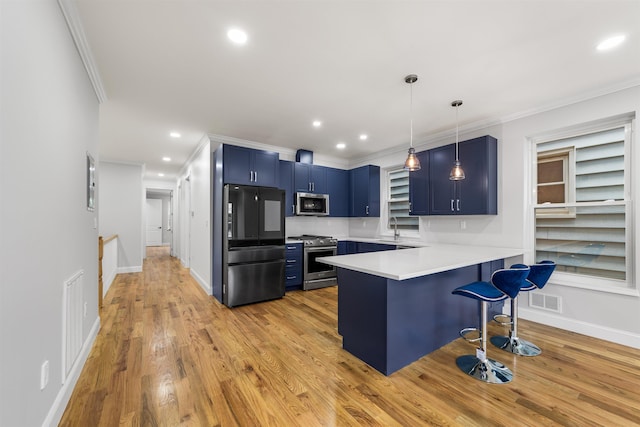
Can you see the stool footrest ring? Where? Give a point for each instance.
(464, 332)
(503, 319)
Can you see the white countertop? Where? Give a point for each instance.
(409, 263)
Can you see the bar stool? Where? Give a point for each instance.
(505, 283)
(538, 276)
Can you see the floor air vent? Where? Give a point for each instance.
(545, 301)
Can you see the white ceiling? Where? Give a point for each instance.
(168, 66)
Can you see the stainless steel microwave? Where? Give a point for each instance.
(312, 204)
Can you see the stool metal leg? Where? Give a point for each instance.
(512, 343)
(479, 366)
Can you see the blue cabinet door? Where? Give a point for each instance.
(293, 266)
(441, 189)
(237, 165)
(477, 193)
(310, 178)
(419, 187)
(286, 183)
(265, 166)
(247, 166)
(338, 190)
(365, 191)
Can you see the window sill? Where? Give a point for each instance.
(589, 283)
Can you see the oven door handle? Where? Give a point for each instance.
(321, 249)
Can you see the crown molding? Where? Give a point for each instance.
(71, 15)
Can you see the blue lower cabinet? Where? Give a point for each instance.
(364, 247)
(293, 266)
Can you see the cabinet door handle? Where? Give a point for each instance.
(293, 209)
(451, 205)
(291, 261)
(291, 277)
(367, 210)
(256, 175)
(409, 207)
(250, 176)
(313, 186)
(458, 205)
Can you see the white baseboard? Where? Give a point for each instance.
(133, 269)
(62, 399)
(602, 332)
(203, 283)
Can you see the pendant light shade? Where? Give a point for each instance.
(412, 163)
(457, 173)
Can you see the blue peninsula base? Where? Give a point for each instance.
(391, 323)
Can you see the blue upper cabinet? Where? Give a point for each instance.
(310, 178)
(419, 187)
(248, 166)
(286, 183)
(477, 193)
(338, 190)
(365, 191)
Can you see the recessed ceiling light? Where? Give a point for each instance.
(363, 137)
(317, 123)
(175, 135)
(237, 36)
(611, 42)
(341, 145)
(166, 159)
(160, 174)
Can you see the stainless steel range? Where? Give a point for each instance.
(316, 274)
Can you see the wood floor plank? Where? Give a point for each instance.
(168, 354)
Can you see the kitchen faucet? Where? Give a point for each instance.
(396, 234)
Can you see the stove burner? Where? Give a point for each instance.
(311, 240)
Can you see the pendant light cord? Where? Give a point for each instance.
(411, 114)
(457, 133)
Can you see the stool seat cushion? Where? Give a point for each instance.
(526, 285)
(541, 272)
(482, 291)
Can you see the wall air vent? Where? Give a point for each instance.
(545, 301)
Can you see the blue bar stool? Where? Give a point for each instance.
(538, 276)
(505, 283)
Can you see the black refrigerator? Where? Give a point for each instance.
(253, 244)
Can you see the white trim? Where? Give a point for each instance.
(132, 269)
(76, 29)
(62, 398)
(201, 281)
(590, 329)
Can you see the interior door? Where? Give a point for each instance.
(154, 222)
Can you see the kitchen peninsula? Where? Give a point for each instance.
(396, 306)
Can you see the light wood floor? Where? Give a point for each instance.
(170, 355)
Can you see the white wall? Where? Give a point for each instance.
(49, 123)
(195, 230)
(121, 199)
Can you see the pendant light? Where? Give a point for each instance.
(412, 163)
(457, 174)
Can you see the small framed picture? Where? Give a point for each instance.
(91, 183)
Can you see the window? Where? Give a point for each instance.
(555, 181)
(583, 206)
(398, 201)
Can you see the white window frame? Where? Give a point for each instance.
(628, 286)
(567, 155)
(387, 198)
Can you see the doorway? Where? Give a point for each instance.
(159, 218)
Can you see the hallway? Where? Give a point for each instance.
(168, 354)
